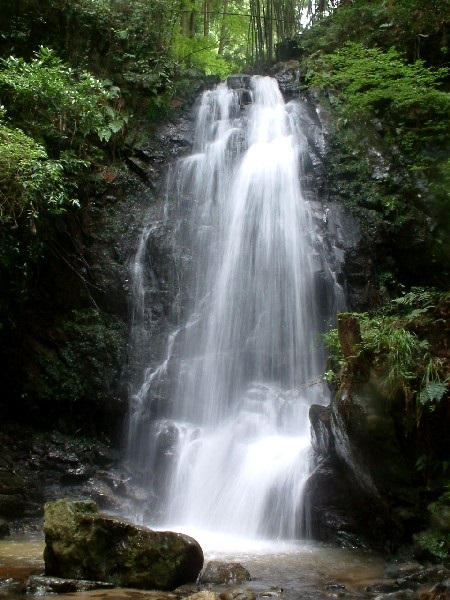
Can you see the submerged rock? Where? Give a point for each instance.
(238, 594)
(40, 586)
(204, 595)
(440, 591)
(82, 543)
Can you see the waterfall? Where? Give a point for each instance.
(228, 449)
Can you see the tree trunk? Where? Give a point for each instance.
(206, 13)
(187, 19)
(223, 28)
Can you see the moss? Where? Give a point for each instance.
(432, 545)
(83, 543)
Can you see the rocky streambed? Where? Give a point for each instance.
(40, 467)
(304, 570)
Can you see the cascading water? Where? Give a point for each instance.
(229, 451)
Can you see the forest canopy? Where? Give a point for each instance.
(73, 72)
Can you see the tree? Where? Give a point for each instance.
(272, 21)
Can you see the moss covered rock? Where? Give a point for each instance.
(82, 543)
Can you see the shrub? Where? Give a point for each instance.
(29, 181)
(370, 80)
(53, 103)
(401, 342)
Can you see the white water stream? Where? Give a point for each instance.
(228, 452)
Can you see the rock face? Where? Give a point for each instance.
(82, 543)
(361, 491)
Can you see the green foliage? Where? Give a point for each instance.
(201, 53)
(435, 543)
(53, 103)
(399, 342)
(417, 304)
(370, 80)
(336, 359)
(408, 101)
(53, 120)
(413, 27)
(29, 180)
(395, 349)
(144, 47)
(409, 97)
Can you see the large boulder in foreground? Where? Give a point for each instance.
(81, 543)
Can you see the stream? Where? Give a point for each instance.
(286, 570)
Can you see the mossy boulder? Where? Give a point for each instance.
(82, 543)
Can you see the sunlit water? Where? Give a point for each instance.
(228, 450)
(300, 570)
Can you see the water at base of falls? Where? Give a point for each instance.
(229, 450)
(301, 571)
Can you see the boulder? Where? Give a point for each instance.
(82, 543)
(219, 572)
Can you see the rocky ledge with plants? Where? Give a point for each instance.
(382, 447)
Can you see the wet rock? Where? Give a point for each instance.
(204, 595)
(82, 543)
(372, 459)
(384, 586)
(335, 587)
(287, 75)
(13, 493)
(356, 270)
(238, 594)
(218, 572)
(78, 474)
(440, 591)
(10, 587)
(44, 468)
(238, 81)
(139, 166)
(397, 570)
(349, 334)
(400, 595)
(321, 435)
(432, 574)
(187, 589)
(41, 585)
(4, 529)
(335, 512)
